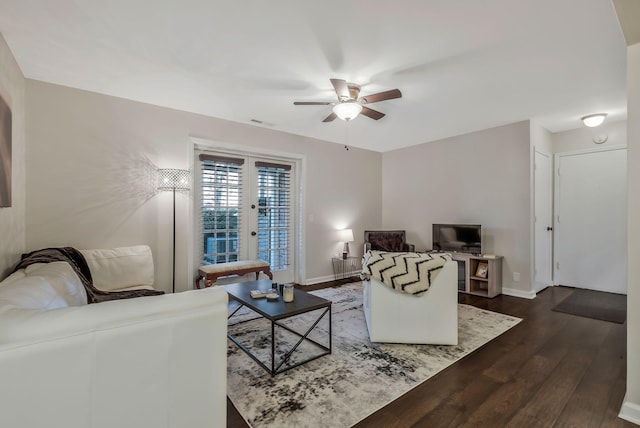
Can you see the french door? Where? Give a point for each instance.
(246, 211)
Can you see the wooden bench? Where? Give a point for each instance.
(211, 273)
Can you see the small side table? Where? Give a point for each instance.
(345, 268)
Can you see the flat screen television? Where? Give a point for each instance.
(464, 238)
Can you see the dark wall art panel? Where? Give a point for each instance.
(5, 154)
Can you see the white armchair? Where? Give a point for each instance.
(397, 317)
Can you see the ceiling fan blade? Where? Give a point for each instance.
(381, 96)
(330, 118)
(373, 114)
(342, 90)
(310, 103)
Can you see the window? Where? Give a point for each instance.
(221, 204)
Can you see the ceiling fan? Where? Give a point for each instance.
(349, 106)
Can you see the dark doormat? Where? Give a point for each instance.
(595, 304)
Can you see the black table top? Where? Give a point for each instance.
(278, 309)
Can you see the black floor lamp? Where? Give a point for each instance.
(174, 180)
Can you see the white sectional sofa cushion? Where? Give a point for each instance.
(122, 268)
(50, 286)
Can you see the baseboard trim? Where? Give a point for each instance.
(519, 293)
(630, 411)
(318, 280)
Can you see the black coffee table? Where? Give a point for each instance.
(276, 311)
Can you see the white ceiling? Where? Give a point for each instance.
(462, 65)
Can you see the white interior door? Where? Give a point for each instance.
(543, 223)
(591, 222)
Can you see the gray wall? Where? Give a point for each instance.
(89, 157)
(482, 177)
(12, 219)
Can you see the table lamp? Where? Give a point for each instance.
(346, 236)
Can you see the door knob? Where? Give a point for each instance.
(549, 228)
(253, 234)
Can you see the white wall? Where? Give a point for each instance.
(541, 138)
(89, 157)
(12, 219)
(482, 177)
(631, 405)
(582, 137)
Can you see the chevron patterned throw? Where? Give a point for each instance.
(406, 272)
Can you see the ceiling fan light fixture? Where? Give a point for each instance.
(347, 110)
(593, 120)
(350, 105)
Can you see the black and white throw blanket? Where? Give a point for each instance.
(410, 273)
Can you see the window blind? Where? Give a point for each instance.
(274, 214)
(221, 208)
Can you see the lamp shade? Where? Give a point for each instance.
(347, 110)
(594, 119)
(346, 235)
(174, 179)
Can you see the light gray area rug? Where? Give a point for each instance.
(358, 378)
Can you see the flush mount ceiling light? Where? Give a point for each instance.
(594, 119)
(347, 110)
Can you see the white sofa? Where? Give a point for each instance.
(156, 361)
(397, 317)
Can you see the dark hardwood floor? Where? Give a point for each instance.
(551, 370)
